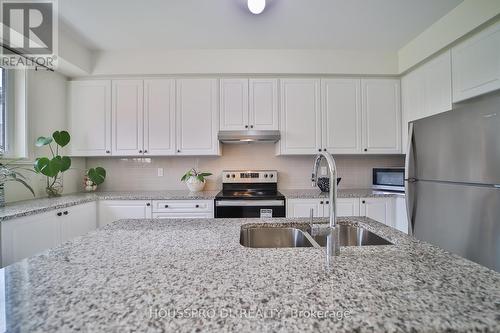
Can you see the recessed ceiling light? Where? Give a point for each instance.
(256, 6)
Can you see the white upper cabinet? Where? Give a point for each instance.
(476, 64)
(234, 104)
(197, 117)
(159, 117)
(127, 117)
(341, 115)
(263, 104)
(90, 117)
(300, 115)
(249, 104)
(381, 113)
(437, 83)
(426, 91)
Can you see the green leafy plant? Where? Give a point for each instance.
(53, 167)
(194, 173)
(9, 172)
(96, 175)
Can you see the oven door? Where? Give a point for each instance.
(226, 208)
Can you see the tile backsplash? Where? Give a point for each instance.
(129, 174)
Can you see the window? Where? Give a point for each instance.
(13, 113)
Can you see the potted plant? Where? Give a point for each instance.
(94, 177)
(195, 180)
(53, 167)
(11, 173)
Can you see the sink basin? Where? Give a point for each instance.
(354, 236)
(268, 237)
(275, 237)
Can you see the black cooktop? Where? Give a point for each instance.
(250, 194)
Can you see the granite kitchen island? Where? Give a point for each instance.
(193, 275)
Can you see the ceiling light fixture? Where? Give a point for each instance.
(256, 6)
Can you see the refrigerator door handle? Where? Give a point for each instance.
(409, 181)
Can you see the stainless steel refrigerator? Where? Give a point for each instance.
(453, 180)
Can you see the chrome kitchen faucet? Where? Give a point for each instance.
(334, 249)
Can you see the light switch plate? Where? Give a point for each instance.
(160, 172)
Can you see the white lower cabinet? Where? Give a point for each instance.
(390, 211)
(347, 207)
(321, 207)
(114, 210)
(401, 221)
(26, 236)
(165, 209)
(379, 209)
(78, 220)
(303, 207)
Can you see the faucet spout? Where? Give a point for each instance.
(332, 169)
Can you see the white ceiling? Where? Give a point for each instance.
(227, 24)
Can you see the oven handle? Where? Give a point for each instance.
(249, 203)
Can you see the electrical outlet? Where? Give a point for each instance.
(323, 171)
(160, 172)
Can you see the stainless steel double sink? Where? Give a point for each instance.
(301, 236)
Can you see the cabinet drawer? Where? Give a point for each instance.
(183, 206)
(183, 215)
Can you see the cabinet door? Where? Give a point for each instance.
(300, 116)
(412, 94)
(476, 64)
(381, 116)
(114, 210)
(345, 207)
(128, 117)
(159, 117)
(90, 117)
(264, 104)
(234, 104)
(437, 85)
(26, 236)
(401, 217)
(78, 220)
(197, 117)
(302, 208)
(378, 209)
(341, 109)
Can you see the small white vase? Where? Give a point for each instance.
(195, 185)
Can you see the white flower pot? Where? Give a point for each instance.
(194, 184)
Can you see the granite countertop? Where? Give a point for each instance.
(342, 193)
(35, 206)
(193, 275)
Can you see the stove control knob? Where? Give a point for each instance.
(228, 176)
(233, 175)
(271, 175)
(265, 175)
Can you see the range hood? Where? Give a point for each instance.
(249, 136)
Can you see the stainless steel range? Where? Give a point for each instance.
(247, 193)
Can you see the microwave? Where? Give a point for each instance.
(389, 179)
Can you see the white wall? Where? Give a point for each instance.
(463, 19)
(46, 113)
(245, 62)
(294, 171)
